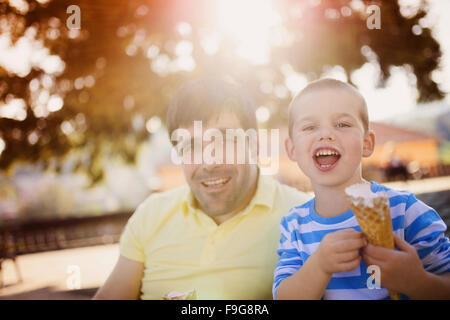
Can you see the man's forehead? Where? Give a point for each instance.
(222, 121)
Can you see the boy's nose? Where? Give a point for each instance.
(326, 135)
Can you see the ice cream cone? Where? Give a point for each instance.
(175, 295)
(373, 214)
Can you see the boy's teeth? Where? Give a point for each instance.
(326, 153)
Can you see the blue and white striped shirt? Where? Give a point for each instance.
(302, 230)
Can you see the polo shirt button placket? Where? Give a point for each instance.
(209, 251)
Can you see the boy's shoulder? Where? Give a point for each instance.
(395, 196)
(301, 210)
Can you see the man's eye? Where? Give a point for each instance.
(185, 148)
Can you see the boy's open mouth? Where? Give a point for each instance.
(326, 159)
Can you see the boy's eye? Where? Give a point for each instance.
(342, 125)
(308, 128)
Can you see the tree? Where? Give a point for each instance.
(124, 63)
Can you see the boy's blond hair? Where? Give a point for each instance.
(329, 84)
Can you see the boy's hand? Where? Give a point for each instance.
(400, 270)
(339, 251)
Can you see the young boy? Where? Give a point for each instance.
(322, 253)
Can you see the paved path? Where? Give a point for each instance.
(49, 272)
(422, 186)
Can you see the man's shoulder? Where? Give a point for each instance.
(159, 204)
(290, 197)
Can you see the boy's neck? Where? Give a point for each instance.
(332, 201)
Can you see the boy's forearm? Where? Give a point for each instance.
(431, 286)
(308, 283)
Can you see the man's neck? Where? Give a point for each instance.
(332, 201)
(224, 217)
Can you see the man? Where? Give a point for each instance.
(218, 234)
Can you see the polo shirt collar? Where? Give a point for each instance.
(264, 195)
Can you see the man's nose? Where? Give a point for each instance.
(212, 161)
(210, 166)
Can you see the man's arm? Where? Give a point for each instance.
(124, 283)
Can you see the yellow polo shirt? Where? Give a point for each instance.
(182, 248)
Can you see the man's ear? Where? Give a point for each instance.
(369, 144)
(290, 148)
(254, 149)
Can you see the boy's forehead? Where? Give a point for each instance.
(334, 101)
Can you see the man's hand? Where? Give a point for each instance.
(339, 251)
(401, 270)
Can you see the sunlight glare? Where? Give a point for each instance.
(14, 109)
(248, 22)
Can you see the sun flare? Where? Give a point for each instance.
(249, 23)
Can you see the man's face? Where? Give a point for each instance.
(328, 137)
(221, 188)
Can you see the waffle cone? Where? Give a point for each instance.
(376, 225)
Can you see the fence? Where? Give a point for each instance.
(23, 237)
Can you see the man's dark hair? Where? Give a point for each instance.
(204, 99)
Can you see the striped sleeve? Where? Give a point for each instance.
(289, 260)
(425, 230)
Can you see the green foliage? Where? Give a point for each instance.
(109, 94)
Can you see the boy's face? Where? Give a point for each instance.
(328, 137)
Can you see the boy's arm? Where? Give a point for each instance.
(435, 287)
(338, 252)
(402, 271)
(124, 282)
(420, 266)
(309, 282)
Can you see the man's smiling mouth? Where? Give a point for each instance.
(326, 158)
(216, 182)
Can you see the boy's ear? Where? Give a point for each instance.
(369, 144)
(290, 149)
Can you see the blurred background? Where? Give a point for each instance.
(84, 91)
